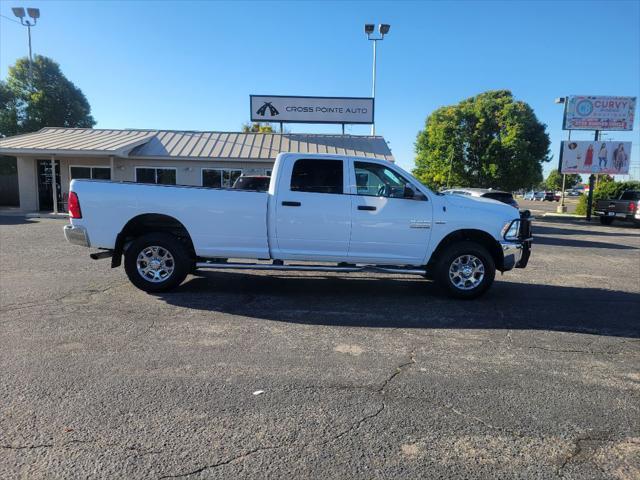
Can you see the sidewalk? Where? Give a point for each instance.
(16, 212)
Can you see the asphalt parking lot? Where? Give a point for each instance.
(362, 376)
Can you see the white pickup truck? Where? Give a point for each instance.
(330, 212)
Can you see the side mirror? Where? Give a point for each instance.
(411, 194)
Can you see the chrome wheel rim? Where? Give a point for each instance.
(466, 272)
(155, 264)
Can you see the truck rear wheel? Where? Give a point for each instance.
(606, 220)
(157, 262)
(465, 270)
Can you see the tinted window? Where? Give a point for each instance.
(101, 173)
(219, 177)
(376, 180)
(145, 175)
(317, 176)
(166, 176)
(80, 172)
(212, 178)
(630, 195)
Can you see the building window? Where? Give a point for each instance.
(317, 176)
(268, 172)
(219, 177)
(160, 176)
(95, 173)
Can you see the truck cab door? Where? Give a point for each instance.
(391, 220)
(312, 211)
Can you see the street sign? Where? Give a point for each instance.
(593, 156)
(275, 108)
(583, 112)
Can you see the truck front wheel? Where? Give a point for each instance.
(465, 270)
(157, 262)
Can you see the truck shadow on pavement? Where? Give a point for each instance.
(408, 303)
(547, 229)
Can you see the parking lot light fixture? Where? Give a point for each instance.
(34, 15)
(383, 29)
(18, 12)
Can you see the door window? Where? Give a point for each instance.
(373, 179)
(317, 176)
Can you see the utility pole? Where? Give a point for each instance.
(383, 29)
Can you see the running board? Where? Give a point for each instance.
(310, 268)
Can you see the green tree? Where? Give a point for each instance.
(490, 140)
(257, 127)
(46, 99)
(554, 180)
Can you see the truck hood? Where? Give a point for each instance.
(482, 206)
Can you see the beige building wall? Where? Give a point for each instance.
(27, 184)
(187, 172)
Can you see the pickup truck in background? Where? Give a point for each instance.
(334, 213)
(627, 207)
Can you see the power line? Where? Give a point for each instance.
(10, 19)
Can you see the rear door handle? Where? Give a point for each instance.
(366, 207)
(291, 204)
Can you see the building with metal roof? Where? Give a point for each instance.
(213, 159)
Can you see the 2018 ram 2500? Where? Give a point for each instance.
(335, 213)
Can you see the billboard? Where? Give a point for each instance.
(275, 108)
(612, 158)
(583, 112)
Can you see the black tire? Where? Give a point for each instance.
(459, 250)
(606, 220)
(178, 258)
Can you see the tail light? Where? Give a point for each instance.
(632, 207)
(74, 206)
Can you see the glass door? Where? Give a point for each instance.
(45, 188)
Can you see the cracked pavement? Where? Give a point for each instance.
(363, 376)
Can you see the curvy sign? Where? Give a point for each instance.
(584, 112)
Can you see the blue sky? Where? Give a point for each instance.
(192, 65)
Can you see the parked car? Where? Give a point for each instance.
(359, 214)
(534, 196)
(574, 193)
(259, 183)
(549, 197)
(504, 197)
(626, 207)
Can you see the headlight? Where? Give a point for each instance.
(511, 230)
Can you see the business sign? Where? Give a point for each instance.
(612, 158)
(274, 108)
(584, 112)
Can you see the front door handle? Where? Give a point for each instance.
(366, 207)
(291, 204)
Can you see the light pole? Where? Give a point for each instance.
(34, 14)
(383, 29)
(562, 208)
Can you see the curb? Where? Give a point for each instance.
(55, 216)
